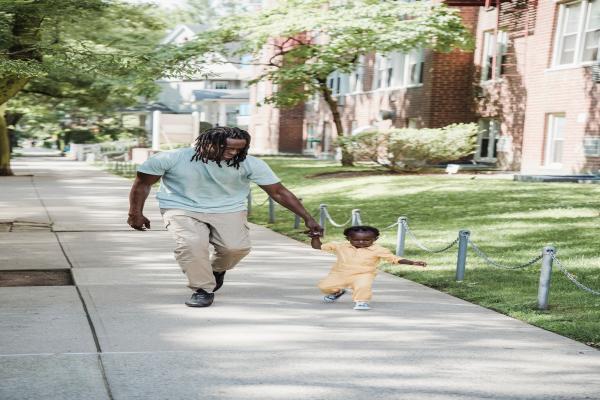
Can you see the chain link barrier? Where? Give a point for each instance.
(422, 246)
(332, 222)
(572, 277)
(389, 227)
(497, 265)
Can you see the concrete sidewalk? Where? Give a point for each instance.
(122, 332)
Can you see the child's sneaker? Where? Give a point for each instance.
(330, 298)
(361, 305)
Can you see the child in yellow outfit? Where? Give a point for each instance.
(356, 264)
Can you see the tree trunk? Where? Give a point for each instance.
(4, 146)
(347, 158)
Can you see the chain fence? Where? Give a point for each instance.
(463, 241)
(497, 265)
(331, 220)
(422, 246)
(572, 277)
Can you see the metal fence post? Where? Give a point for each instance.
(461, 259)
(401, 236)
(271, 210)
(249, 207)
(545, 275)
(297, 217)
(356, 220)
(322, 217)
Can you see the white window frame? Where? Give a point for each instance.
(224, 83)
(338, 83)
(394, 71)
(355, 81)
(551, 140)
(582, 30)
(493, 135)
(381, 68)
(415, 57)
(492, 43)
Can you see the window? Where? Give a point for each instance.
(337, 83)
(221, 85)
(555, 139)
(591, 146)
(356, 77)
(487, 140)
(380, 71)
(244, 110)
(415, 67)
(399, 69)
(492, 46)
(578, 33)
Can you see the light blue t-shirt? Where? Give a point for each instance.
(205, 187)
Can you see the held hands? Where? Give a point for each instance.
(138, 222)
(419, 263)
(314, 229)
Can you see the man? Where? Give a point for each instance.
(202, 198)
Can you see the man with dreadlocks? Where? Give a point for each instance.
(202, 198)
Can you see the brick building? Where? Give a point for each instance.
(531, 84)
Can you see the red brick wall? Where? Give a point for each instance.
(531, 89)
(449, 81)
(291, 121)
(552, 90)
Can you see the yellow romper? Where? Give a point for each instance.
(355, 268)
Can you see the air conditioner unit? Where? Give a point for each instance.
(386, 114)
(341, 100)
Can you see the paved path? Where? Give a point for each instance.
(123, 332)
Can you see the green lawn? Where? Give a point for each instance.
(510, 221)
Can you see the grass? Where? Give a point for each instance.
(510, 221)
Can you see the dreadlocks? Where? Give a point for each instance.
(211, 144)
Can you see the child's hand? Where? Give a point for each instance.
(419, 263)
(313, 234)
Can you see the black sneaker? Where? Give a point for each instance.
(219, 277)
(200, 298)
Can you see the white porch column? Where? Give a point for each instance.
(222, 114)
(156, 130)
(195, 125)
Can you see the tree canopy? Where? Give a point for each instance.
(96, 53)
(299, 43)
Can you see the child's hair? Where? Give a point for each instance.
(361, 228)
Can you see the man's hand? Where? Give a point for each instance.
(314, 229)
(138, 222)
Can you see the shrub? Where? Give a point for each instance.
(411, 149)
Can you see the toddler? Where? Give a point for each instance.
(356, 264)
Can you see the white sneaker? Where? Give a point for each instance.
(330, 298)
(361, 305)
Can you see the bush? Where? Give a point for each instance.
(412, 149)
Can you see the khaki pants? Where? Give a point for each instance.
(194, 232)
(359, 283)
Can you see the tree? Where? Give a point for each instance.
(95, 51)
(307, 40)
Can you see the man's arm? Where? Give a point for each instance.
(283, 196)
(137, 197)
